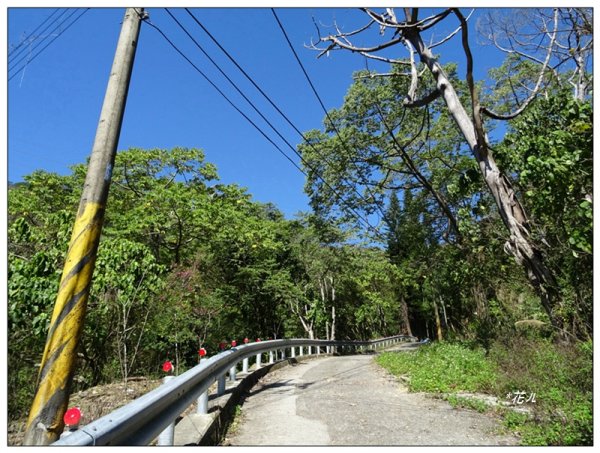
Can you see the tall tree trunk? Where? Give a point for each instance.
(307, 324)
(438, 324)
(332, 323)
(405, 319)
(332, 309)
(444, 312)
(519, 244)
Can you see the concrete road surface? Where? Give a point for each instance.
(350, 400)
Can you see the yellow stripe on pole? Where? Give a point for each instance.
(67, 319)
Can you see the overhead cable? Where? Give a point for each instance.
(12, 54)
(307, 141)
(29, 60)
(182, 54)
(314, 90)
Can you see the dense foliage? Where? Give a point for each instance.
(184, 262)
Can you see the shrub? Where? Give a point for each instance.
(562, 379)
(442, 367)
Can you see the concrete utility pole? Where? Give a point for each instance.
(51, 399)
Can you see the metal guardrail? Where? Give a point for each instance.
(142, 420)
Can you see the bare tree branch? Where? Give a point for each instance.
(336, 41)
(417, 173)
(414, 81)
(374, 75)
(538, 84)
(478, 123)
(425, 100)
(451, 35)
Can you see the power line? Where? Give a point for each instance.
(26, 39)
(369, 226)
(242, 113)
(232, 83)
(43, 38)
(275, 107)
(246, 99)
(53, 39)
(17, 51)
(357, 215)
(363, 180)
(222, 94)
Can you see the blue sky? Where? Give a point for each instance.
(54, 103)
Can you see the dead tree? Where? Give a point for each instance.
(408, 32)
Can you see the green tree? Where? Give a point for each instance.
(549, 150)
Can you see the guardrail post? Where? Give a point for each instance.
(258, 360)
(232, 373)
(202, 401)
(245, 365)
(301, 350)
(221, 385)
(318, 350)
(309, 350)
(293, 352)
(283, 354)
(271, 357)
(167, 437)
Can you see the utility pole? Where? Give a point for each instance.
(57, 369)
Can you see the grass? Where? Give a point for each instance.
(560, 376)
(442, 368)
(469, 403)
(237, 418)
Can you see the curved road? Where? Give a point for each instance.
(350, 400)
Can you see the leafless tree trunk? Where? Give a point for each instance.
(332, 323)
(327, 291)
(444, 312)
